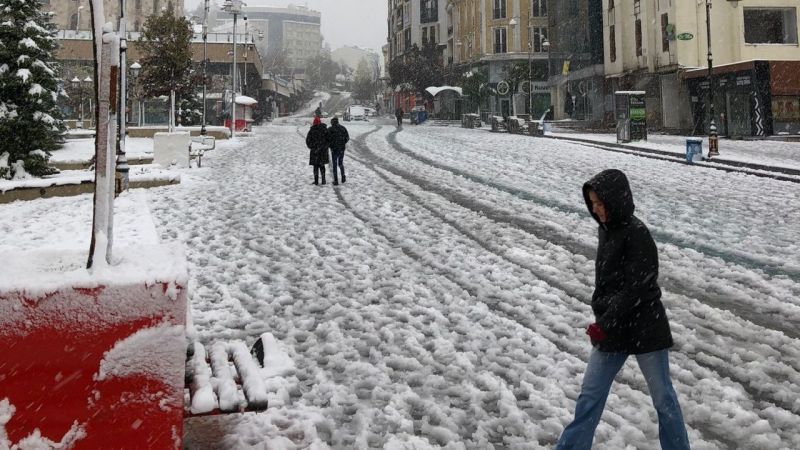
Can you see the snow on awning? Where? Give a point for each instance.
(245, 100)
(434, 91)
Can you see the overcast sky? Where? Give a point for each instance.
(344, 22)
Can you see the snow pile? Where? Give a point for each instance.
(35, 440)
(155, 353)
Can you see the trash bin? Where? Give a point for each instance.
(694, 150)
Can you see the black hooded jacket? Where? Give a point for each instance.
(337, 136)
(317, 143)
(627, 299)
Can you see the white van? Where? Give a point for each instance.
(355, 112)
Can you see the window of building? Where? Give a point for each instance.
(612, 43)
(610, 5)
(637, 7)
(433, 34)
(638, 35)
(665, 32)
(499, 11)
(73, 22)
(424, 35)
(538, 36)
(539, 8)
(770, 25)
(500, 40)
(429, 11)
(407, 40)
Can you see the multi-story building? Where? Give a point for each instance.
(661, 48)
(415, 23)
(74, 14)
(295, 29)
(575, 55)
(497, 34)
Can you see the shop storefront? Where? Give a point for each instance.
(753, 98)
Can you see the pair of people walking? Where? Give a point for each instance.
(318, 140)
(629, 317)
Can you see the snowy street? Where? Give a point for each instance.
(440, 296)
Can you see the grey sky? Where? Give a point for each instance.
(344, 22)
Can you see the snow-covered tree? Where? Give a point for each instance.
(30, 121)
(167, 55)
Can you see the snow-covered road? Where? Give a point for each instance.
(439, 297)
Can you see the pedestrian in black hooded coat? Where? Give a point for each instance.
(317, 143)
(629, 317)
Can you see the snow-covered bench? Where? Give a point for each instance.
(198, 147)
(224, 380)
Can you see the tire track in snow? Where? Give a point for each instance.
(737, 258)
(498, 307)
(756, 393)
(753, 313)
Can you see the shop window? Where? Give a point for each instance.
(770, 25)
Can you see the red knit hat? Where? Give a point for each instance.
(317, 120)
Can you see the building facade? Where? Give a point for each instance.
(575, 67)
(496, 34)
(295, 29)
(659, 46)
(75, 15)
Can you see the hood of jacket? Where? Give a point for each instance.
(614, 191)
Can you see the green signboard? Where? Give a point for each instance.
(685, 36)
(638, 117)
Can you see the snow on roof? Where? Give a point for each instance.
(434, 91)
(630, 92)
(245, 100)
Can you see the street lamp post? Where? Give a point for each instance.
(546, 47)
(76, 83)
(233, 7)
(713, 138)
(135, 68)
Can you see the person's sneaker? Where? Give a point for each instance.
(343, 179)
(335, 183)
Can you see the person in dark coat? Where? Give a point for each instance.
(317, 143)
(569, 104)
(398, 114)
(629, 316)
(338, 138)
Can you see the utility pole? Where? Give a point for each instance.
(713, 138)
(203, 131)
(122, 169)
(233, 7)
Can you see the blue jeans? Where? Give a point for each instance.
(337, 160)
(600, 373)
